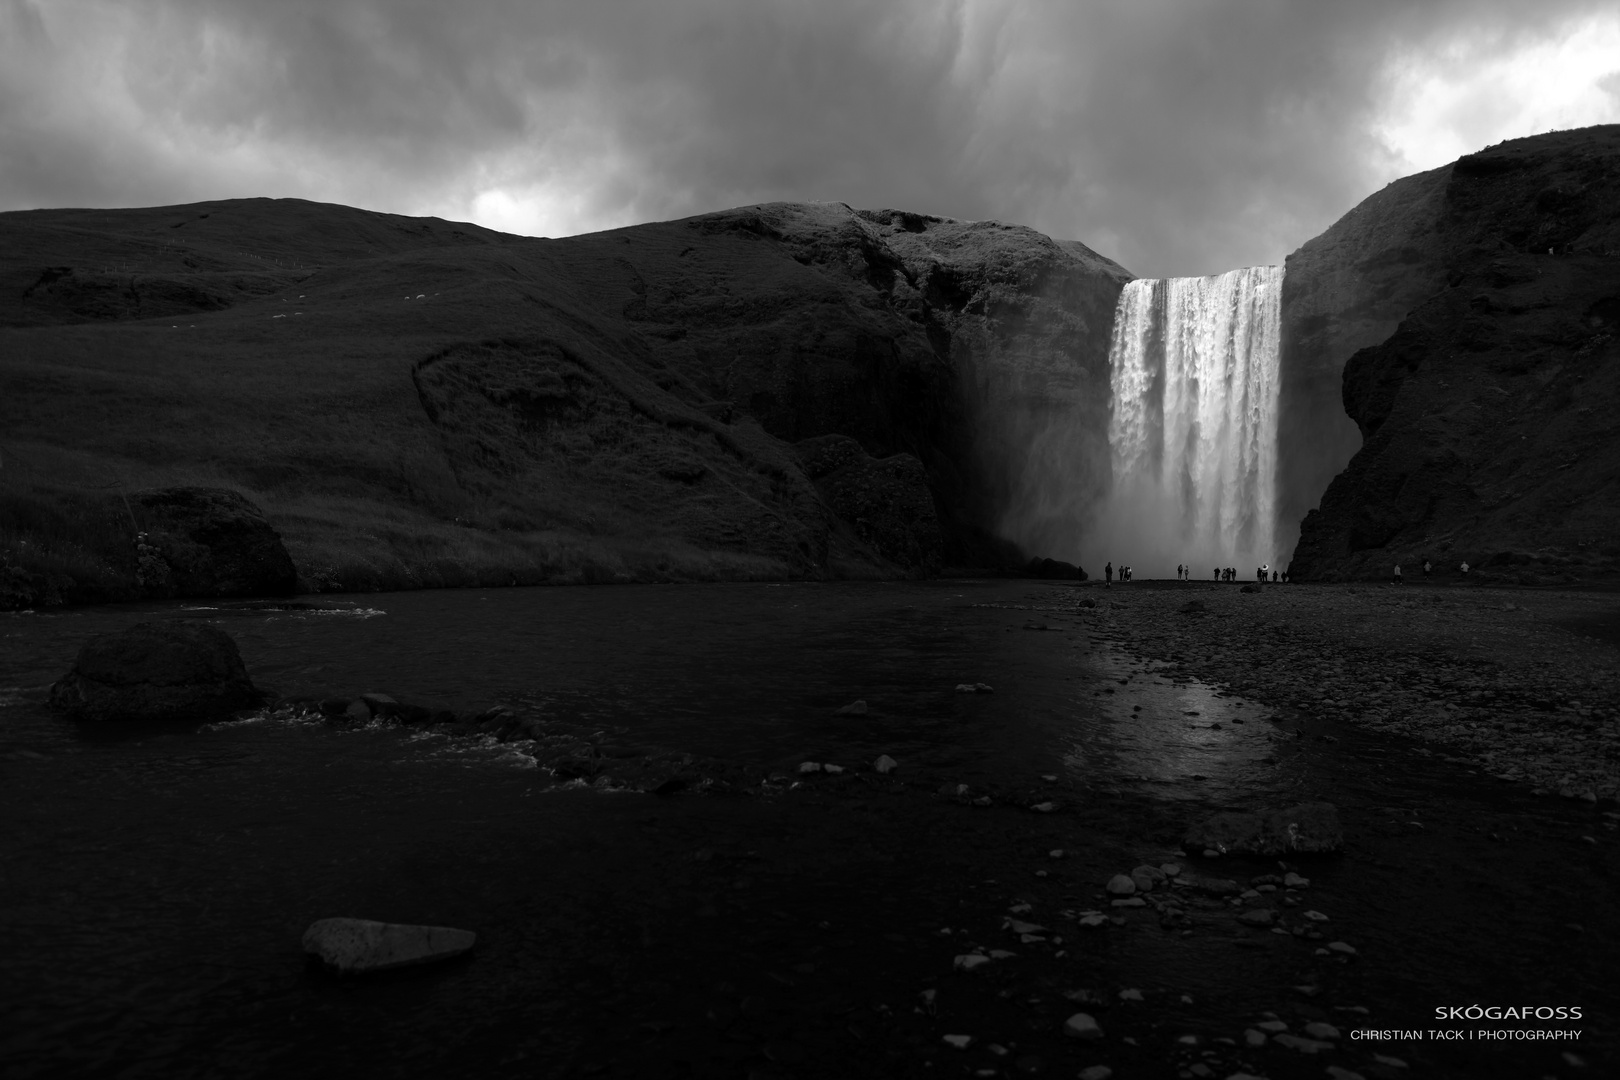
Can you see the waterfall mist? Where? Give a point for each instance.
(1192, 428)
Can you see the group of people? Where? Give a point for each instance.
(1228, 573)
(1427, 567)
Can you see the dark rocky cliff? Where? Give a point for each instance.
(1488, 417)
(1342, 291)
(418, 402)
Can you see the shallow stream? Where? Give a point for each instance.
(156, 881)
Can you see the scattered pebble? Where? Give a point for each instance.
(1096, 1072)
(1082, 1026)
(961, 1042)
(885, 764)
(1342, 947)
(1130, 995)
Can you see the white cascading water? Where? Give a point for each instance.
(1193, 425)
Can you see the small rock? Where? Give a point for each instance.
(1130, 901)
(1300, 1043)
(1044, 807)
(1001, 954)
(1146, 877)
(1090, 921)
(1258, 917)
(1251, 1037)
(1171, 869)
(1319, 1030)
(1272, 1026)
(1082, 1026)
(1342, 947)
(1335, 1072)
(833, 769)
(361, 945)
(1050, 778)
(358, 711)
(1096, 1072)
(809, 766)
(970, 962)
(1120, 885)
(1130, 995)
(1316, 916)
(1392, 1062)
(1018, 926)
(855, 708)
(1055, 853)
(1292, 880)
(961, 1042)
(885, 764)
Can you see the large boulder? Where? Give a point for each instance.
(156, 671)
(203, 541)
(1306, 828)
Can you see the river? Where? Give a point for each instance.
(157, 880)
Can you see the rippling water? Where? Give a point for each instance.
(157, 880)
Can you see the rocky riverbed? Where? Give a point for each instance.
(1522, 685)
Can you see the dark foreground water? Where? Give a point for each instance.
(156, 882)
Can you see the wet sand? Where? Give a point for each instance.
(1520, 684)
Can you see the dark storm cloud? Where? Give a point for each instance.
(1178, 137)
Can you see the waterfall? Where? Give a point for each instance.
(1192, 429)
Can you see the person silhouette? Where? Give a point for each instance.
(1108, 575)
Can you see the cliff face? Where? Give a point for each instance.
(420, 402)
(1489, 415)
(1343, 291)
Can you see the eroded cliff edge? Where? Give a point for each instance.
(1488, 417)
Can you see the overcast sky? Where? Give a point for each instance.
(1177, 136)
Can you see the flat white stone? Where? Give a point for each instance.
(359, 945)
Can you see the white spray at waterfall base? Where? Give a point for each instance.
(1192, 429)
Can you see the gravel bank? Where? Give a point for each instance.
(1523, 685)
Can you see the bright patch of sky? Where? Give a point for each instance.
(1472, 93)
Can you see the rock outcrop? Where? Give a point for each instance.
(886, 503)
(211, 542)
(156, 671)
(1488, 416)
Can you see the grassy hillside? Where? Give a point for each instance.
(419, 402)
